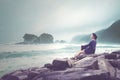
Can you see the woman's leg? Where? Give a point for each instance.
(78, 54)
(81, 52)
(81, 56)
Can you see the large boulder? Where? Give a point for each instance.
(117, 74)
(77, 74)
(115, 63)
(87, 62)
(111, 56)
(60, 64)
(9, 77)
(17, 75)
(104, 65)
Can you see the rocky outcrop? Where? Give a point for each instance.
(111, 34)
(29, 38)
(93, 67)
(33, 39)
(45, 38)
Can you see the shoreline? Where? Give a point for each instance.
(91, 67)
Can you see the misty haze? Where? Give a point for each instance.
(35, 32)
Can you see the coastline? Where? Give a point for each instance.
(98, 66)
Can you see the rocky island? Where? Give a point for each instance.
(104, 66)
(44, 38)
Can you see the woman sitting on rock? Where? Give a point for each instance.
(87, 49)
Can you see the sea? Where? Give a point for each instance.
(14, 56)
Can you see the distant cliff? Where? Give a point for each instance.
(33, 39)
(80, 39)
(109, 35)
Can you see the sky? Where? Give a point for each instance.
(64, 19)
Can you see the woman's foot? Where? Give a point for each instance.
(73, 58)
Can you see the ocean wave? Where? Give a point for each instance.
(22, 48)
(45, 47)
(14, 57)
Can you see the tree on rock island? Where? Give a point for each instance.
(46, 38)
(33, 39)
(29, 38)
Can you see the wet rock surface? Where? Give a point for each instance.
(92, 67)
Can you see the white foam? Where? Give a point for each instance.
(21, 48)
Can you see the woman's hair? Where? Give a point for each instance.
(95, 36)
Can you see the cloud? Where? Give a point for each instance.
(58, 17)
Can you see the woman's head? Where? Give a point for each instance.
(93, 36)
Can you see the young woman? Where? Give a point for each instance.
(89, 48)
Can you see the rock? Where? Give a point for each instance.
(71, 62)
(110, 56)
(94, 55)
(113, 55)
(39, 69)
(50, 66)
(9, 77)
(32, 74)
(35, 72)
(16, 75)
(94, 75)
(117, 74)
(60, 64)
(116, 52)
(21, 74)
(87, 62)
(78, 74)
(106, 66)
(38, 79)
(115, 63)
(58, 75)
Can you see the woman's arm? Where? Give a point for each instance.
(91, 47)
(85, 46)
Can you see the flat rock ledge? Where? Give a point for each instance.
(104, 66)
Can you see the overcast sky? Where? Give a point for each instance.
(61, 18)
